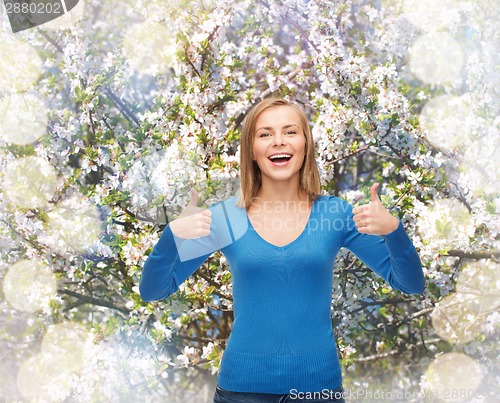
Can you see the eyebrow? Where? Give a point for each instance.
(270, 128)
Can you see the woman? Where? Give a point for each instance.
(280, 238)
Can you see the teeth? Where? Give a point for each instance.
(279, 156)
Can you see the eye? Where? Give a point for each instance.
(291, 132)
(263, 134)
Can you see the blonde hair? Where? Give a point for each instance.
(250, 175)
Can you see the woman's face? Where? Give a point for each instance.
(278, 131)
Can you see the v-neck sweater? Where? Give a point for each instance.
(282, 336)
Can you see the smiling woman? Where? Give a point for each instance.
(279, 142)
(281, 239)
(276, 126)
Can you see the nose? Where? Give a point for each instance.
(278, 139)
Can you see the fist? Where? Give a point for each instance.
(193, 222)
(373, 218)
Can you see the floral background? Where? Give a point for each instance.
(111, 113)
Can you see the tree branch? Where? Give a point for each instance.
(302, 33)
(365, 304)
(199, 339)
(361, 149)
(489, 254)
(395, 352)
(125, 111)
(85, 299)
(51, 41)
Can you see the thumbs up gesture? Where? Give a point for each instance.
(193, 222)
(373, 218)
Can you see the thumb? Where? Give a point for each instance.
(193, 202)
(373, 193)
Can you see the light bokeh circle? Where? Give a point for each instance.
(23, 118)
(166, 175)
(74, 225)
(20, 64)
(447, 222)
(437, 58)
(457, 317)
(453, 372)
(29, 285)
(64, 352)
(149, 47)
(480, 165)
(448, 120)
(482, 280)
(431, 15)
(66, 343)
(39, 378)
(30, 182)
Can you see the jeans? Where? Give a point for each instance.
(227, 396)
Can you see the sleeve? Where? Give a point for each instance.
(393, 256)
(174, 259)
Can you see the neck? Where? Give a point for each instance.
(281, 192)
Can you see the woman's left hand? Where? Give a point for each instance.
(373, 218)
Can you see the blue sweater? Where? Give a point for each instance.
(282, 336)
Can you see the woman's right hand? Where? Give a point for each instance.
(193, 222)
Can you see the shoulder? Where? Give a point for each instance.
(334, 212)
(227, 202)
(334, 204)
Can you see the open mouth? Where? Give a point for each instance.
(280, 159)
